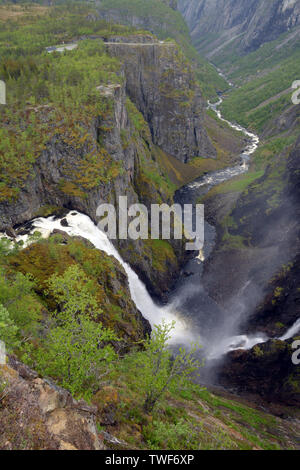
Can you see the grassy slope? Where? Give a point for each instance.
(31, 39)
(193, 419)
(215, 422)
(264, 79)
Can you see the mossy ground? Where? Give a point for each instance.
(56, 254)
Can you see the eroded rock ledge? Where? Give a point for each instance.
(36, 414)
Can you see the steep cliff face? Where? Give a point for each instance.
(65, 176)
(160, 81)
(216, 23)
(115, 154)
(110, 282)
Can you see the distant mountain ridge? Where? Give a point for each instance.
(215, 23)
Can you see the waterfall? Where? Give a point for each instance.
(291, 331)
(81, 225)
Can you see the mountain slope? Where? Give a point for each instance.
(247, 24)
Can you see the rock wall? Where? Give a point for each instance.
(262, 236)
(251, 23)
(266, 370)
(161, 83)
(62, 177)
(256, 278)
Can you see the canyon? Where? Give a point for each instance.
(160, 136)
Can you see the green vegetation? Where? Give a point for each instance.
(56, 96)
(46, 258)
(265, 78)
(156, 371)
(148, 391)
(164, 22)
(20, 307)
(76, 351)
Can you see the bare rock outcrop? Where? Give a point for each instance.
(161, 83)
(35, 414)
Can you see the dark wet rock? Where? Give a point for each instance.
(64, 223)
(266, 370)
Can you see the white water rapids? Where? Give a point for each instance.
(217, 177)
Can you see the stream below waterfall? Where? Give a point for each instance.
(198, 317)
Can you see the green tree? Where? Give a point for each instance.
(8, 330)
(18, 298)
(77, 351)
(74, 292)
(157, 369)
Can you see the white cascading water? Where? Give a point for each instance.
(291, 331)
(81, 225)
